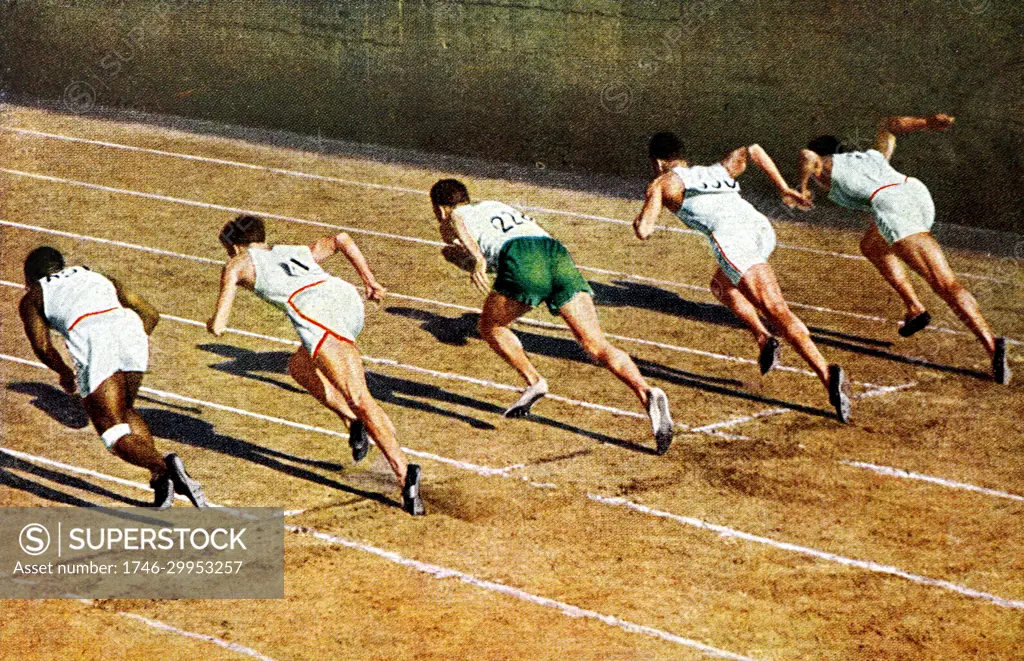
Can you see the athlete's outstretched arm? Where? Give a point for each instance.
(644, 223)
(229, 276)
(810, 166)
(478, 274)
(763, 161)
(38, 332)
(885, 140)
(150, 315)
(344, 244)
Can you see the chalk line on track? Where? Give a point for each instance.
(866, 565)
(437, 572)
(428, 301)
(157, 624)
(486, 471)
(911, 475)
(416, 191)
(714, 427)
(402, 237)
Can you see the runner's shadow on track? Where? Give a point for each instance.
(181, 428)
(19, 482)
(457, 330)
(54, 402)
(384, 388)
(623, 293)
(647, 297)
(249, 364)
(900, 358)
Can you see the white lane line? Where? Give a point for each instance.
(566, 609)
(428, 301)
(226, 644)
(157, 624)
(479, 470)
(910, 475)
(876, 391)
(415, 191)
(866, 565)
(216, 207)
(444, 573)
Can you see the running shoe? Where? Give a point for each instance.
(411, 501)
(661, 419)
(837, 392)
(770, 353)
(911, 326)
(184, 483)
(358, 440)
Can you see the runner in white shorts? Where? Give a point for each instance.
(327, 313)
(106, 329)
(707, 199)
(903, 212)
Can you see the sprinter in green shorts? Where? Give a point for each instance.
(531, 268)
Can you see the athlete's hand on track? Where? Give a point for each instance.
(940, 121)
(217, 332)
(480, 280)
(794, 198)
(375, 291)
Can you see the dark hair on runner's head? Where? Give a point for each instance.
(825, 145)
(243, 230)
(448, 193)
(665, 146)
(41, 262)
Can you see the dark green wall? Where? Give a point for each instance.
(572, 84)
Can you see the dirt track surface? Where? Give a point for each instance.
(541, 516)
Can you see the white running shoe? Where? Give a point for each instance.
(531, 396)
(661, 419)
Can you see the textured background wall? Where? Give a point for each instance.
(571, 84)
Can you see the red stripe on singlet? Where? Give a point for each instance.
(90, 314)
(899, 183)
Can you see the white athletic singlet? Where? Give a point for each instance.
(493, 224)
(74, 294)
(711, 199)
(284, 271)
(858, 176)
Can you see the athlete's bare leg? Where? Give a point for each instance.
(304, 371)
(498, 314)
(731, 297)
(881, 254)
(762, 289)
(581, 316)
(342, 364)
(109, 405)
(924, 254)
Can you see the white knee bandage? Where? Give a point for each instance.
(115, 434)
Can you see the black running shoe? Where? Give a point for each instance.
(358, 440)
(163, 489)
(911, 326)
(1000, 365)
(837, 394)
(661, 419)
(411, 502)
(769, 357)
(183, 482)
